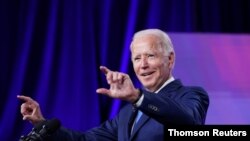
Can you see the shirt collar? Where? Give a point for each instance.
(167, 82)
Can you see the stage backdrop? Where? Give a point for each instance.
(51, 50)
(219, 63)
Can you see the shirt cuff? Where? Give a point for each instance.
(138, 103)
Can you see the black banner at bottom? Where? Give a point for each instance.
(241, 132)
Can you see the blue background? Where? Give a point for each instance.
(51, 50)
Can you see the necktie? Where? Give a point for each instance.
(138, 116)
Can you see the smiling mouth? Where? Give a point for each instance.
(147, 74)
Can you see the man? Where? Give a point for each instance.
(162, 101)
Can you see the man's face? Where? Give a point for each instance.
(151, 64)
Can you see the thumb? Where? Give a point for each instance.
(29, 118)
(103, 91)
(33, 120)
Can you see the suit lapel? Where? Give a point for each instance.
(130, 120)
(144, 118)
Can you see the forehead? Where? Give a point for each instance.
(145, 43)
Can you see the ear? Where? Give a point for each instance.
(171, 59)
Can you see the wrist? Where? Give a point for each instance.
(139, 91)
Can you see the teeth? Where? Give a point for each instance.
(145, 74)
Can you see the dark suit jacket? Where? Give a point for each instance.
(175, 104)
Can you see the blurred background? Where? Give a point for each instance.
(51, 50)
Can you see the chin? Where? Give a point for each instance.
(148, 86)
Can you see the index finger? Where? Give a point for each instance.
(104, 69)
(24, 98)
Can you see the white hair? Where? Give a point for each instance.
(160, 35)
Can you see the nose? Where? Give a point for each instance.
(144, 62)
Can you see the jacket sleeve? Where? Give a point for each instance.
(187, 105)
(105, 132)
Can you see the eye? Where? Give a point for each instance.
(137, 58)
(151, 56)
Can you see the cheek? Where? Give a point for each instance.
(164, 68)
(135, 68)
